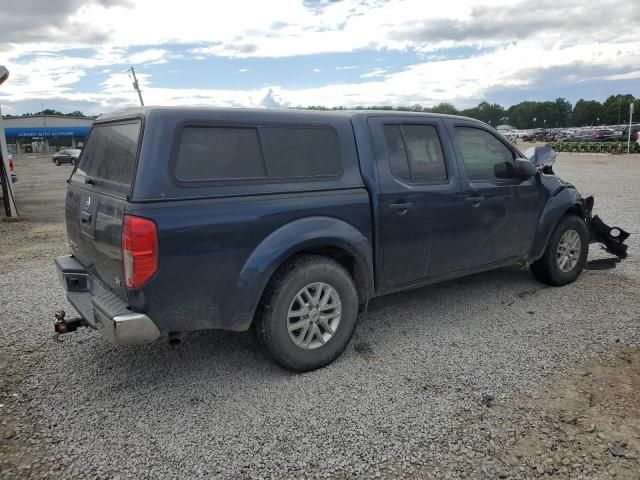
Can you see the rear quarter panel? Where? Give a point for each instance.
(217, 255)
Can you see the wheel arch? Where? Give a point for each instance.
(567, 201)
(325, 236)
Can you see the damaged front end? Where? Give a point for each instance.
(612, 238)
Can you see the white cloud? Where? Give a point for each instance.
(522, 44)
(316, 70)
(151, 55)
(376, 72)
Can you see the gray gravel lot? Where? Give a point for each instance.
(405, 399)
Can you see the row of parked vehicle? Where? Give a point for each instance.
(602, 134)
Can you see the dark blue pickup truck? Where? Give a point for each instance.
(288, 222)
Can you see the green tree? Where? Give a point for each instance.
(491, 113)
(615, 109)
(587, 112)
(445, 108)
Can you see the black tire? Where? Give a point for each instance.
(57, 162)
(271, 323)
(547, 268)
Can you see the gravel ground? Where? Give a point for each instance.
(440, 382)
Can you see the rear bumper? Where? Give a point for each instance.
(101, 309)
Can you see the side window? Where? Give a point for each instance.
(397, 155)
(236, 153)
(481, 152)
(415, 153)
(300, 152)
(208, 153)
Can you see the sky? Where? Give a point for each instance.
(73, 54)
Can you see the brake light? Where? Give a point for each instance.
(139, 250)
(11, 164)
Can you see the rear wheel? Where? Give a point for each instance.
(308, 313)
(566, 253)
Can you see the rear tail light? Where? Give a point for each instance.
(11, 164)
(139, 250)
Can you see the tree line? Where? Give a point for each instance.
(528, 114)
(50, 111)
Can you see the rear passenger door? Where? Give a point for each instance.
(419, 208)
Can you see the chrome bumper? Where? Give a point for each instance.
(101, 309)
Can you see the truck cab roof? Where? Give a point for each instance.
(275, 114)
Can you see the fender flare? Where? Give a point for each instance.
(566, 200)
(283, 243)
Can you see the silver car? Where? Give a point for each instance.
(68, 155)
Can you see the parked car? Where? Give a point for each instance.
(288, 222)
(12, 171)
(604, 135)
(68, 155)
(635, 134)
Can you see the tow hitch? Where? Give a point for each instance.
(62, 326)
(612, 238)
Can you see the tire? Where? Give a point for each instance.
(554, 268)
(282, 298)
(57, 162)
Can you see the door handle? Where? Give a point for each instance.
(474, 200)
(401, 208)
(85, 217)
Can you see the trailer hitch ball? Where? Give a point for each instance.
(61, 325)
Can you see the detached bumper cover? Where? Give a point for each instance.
(101, 308)
(612, 238)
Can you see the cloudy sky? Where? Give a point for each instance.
(73, 54)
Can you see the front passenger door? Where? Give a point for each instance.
(502, 213)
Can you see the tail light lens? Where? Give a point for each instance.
(11, 164)
(139, 250)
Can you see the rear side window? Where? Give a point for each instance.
(415, 153)
(238, 153)
(216, 153)
(110, 155)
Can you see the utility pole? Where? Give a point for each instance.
(136, 85)
(619, 105)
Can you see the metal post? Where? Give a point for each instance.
(631, 105)
(7, 187)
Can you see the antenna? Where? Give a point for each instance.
(135, 85)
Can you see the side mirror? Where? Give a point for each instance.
(520, 168)
(524, 169)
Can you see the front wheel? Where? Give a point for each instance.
(57, 162)
(566, 253)
(308, 313)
